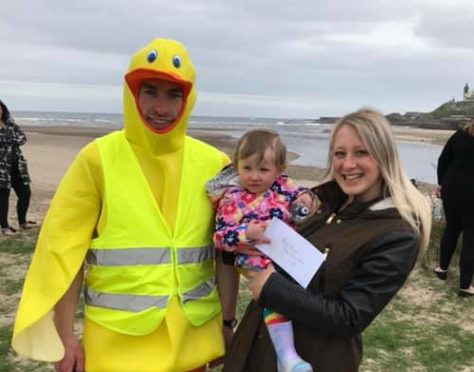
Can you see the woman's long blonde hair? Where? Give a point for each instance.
(469, 127)
(375, 132)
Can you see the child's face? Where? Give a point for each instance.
(257, 177)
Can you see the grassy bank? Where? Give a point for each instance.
(425, 328)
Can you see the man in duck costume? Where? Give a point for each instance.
(132, 225)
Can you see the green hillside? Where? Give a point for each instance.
(450, 108)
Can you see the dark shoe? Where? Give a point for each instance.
(441, 275)
(8, 231)
(464, 293)
(28, 225)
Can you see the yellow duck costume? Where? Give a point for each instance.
(132, 206)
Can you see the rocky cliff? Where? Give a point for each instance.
(450, 115)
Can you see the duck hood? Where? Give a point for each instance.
(160, 59)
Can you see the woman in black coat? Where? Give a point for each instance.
(456, 187)
(372, 223)
(13, 172)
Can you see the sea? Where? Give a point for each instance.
(305, 137)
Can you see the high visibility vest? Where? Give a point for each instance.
(137, 264)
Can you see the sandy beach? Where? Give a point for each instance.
(49, 151)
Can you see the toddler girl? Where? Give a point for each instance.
(246, 196)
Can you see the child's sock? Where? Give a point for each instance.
(281, 334)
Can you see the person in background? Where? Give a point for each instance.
(373, 223)
(456, 189)
(13, 172)
(247, 196)
(128, 224)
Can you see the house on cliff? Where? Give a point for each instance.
(468, 94)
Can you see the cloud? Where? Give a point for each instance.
(67, 97)
(254, 58)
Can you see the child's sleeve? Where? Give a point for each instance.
(284, 185)
(217, 185)
(230, 233)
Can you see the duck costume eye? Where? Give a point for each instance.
(177, 61)
(152, 56)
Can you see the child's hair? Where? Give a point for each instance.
(256, 142)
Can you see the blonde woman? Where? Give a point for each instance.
(374, 222)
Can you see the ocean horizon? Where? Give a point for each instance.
(305, 137)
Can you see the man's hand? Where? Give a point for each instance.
(73, 360)
(64, 313)
(228, 336)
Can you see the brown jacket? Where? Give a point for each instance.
(372, 251)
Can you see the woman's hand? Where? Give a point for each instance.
(257, 279)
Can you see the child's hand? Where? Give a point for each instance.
(255, 232)
(304, 206)
(309, 200)
(305, 199)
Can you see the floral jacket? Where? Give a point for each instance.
(11, 138)
(236, 208)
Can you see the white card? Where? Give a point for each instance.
(293, 253)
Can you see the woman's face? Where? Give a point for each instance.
(354, 168)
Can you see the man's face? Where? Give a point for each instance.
(160, 103)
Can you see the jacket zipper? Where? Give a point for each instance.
(330, 218)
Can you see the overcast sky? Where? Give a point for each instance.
(262, 58)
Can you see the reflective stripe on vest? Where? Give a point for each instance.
(132, 303)
(194, 255)
(137, 303)
(200, 291)
(133, 256)
(148, 256)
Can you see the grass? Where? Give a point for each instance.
(15, 254)
(5, 336)
(21, 244)
(10, 287)
(401, 344)
(425, 328)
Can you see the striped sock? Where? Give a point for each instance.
(281, 334)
